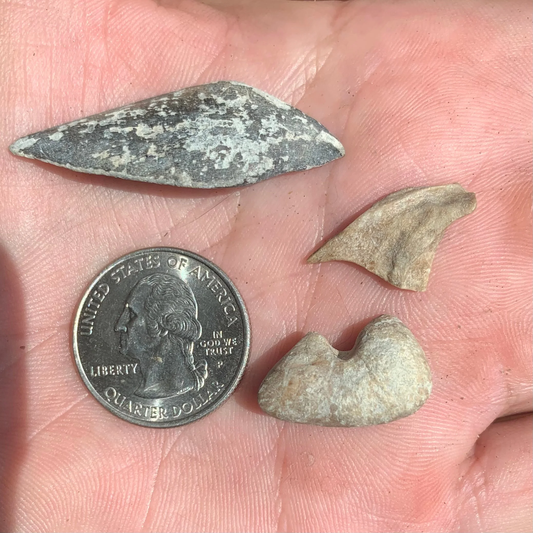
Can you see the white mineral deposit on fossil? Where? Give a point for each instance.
(221, 134)
(384, 377)
(397, 237)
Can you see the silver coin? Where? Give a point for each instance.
(161, 337)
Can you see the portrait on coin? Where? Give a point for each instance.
(158, 328)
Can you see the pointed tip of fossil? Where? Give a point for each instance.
(314, 258)
(335, 144)
(327, 252)
(20, 146)
(322, 256)
(328, 147)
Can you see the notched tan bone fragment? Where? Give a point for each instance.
(384, 377)
(397, 237)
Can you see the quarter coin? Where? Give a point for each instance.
(161, 337)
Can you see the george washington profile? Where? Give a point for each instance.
(158, 328)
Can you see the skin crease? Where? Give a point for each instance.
(420, 93)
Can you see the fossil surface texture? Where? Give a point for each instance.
(397, 237)
(383, 378)
(221, 134)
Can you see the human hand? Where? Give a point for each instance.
(419, 94)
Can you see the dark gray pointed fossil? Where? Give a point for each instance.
(384, 377)
(398, 236)
(221, 134)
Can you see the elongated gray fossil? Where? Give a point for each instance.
(398, 236)
(383, 378)
(221, 134)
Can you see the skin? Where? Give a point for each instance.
(420, 93)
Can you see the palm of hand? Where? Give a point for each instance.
(419, 95)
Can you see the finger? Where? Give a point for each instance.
(497, 484)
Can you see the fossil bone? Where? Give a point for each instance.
(383, 378)
(222, 134)
(398, 236)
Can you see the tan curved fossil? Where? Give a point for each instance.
(397, 237)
